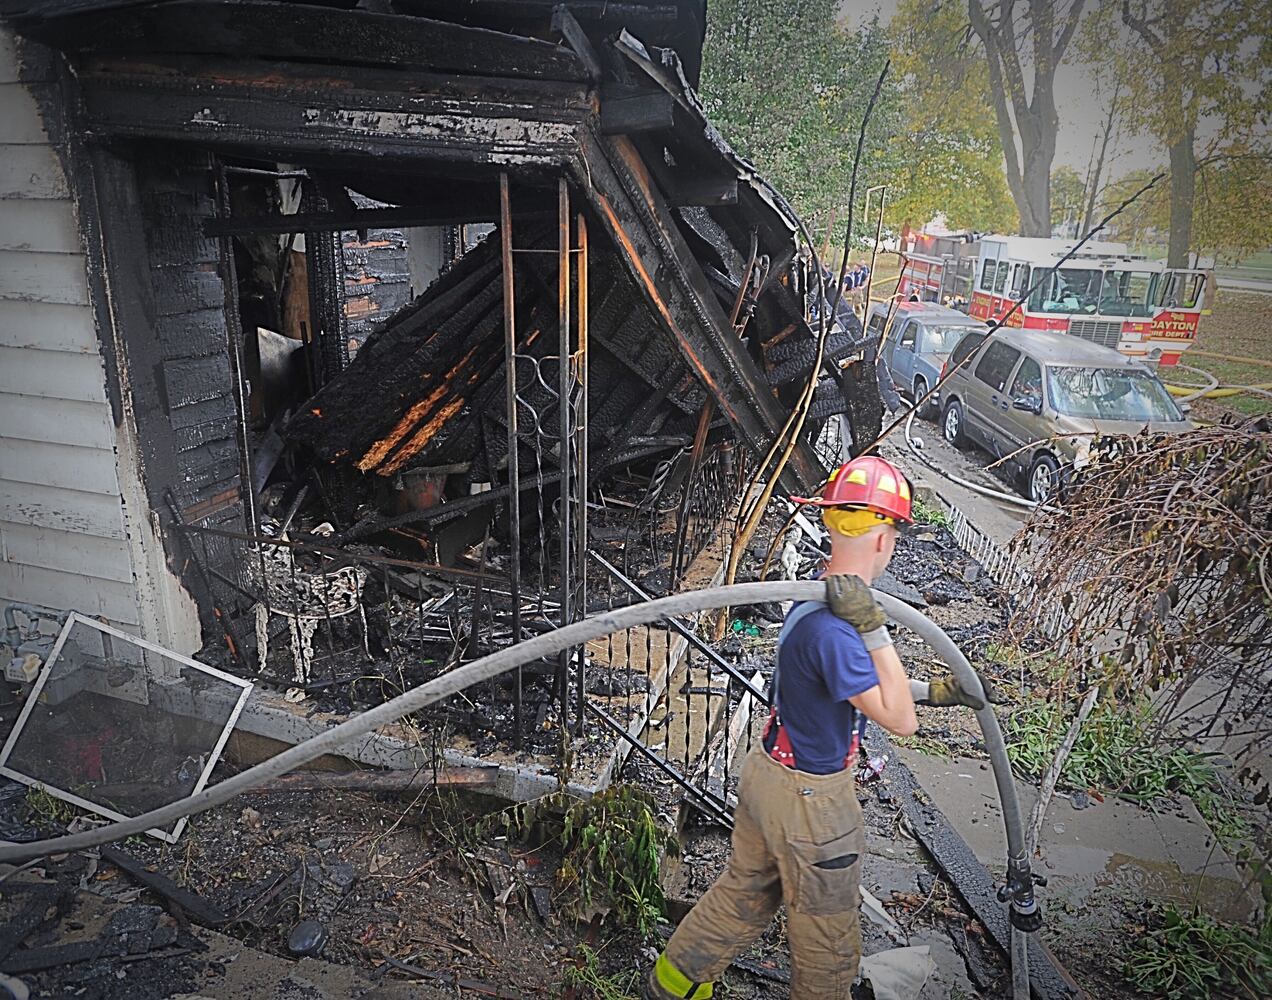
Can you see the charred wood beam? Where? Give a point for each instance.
(294, 110)
(453, 214)
(625, 110)
(638, 219)
(567, 26)
(310, 32)
(684, 189)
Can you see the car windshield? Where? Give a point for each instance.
(1109, 394)
(941, 339)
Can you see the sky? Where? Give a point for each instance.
(1081, 115)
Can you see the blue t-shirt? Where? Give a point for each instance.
(824, 663)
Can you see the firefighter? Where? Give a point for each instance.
(798, 834)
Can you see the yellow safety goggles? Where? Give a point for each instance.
(853, 521)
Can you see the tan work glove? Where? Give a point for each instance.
(849, 598)
(947, 691)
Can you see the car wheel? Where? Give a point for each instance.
(952, 424)
(1044, 479)
(928, 410)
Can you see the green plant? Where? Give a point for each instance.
(47, 808)
(1190, 956)
(587, 982)
(611, 850)
(1114, 751)
(934, 516)
(1005, 653)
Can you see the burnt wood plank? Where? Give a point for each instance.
(625, 114)
(195, 907)
(303, 31)
(564, 23)
(334, 111)
(638, 219)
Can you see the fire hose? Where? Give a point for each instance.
(1024, 911)
(916, 445)
(1212, 389)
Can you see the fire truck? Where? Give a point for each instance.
(1103, 294)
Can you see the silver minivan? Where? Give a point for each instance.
(1036, 399)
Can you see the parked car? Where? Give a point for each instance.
(920, 340)
(1037, 399)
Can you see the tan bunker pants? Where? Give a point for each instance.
(798, 839)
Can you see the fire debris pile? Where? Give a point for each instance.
(378, 527)
(1161, 561)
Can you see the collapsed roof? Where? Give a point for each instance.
(421, 105)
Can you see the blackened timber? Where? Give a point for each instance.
(639, 221)
(624, 111)
(565, 24)
(333, 111)
(453, 214)
(311, 32)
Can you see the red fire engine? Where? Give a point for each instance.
(1103, 294)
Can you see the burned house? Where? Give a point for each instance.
(341, 342)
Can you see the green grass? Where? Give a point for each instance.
(48, 809)
(1113, 753)
(1190, 956)
(1240, 326)
(587, 982)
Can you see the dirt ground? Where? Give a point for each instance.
(419, 893)
(410, 888)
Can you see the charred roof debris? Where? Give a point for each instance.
(342, 251)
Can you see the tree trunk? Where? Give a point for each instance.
(1035, 211)
(1183, 185)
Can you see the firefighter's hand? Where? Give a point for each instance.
(849, 598)
(947, 692)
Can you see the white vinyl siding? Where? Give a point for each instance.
(62, 536)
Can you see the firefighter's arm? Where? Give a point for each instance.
(889, 702)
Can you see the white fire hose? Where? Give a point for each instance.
(1024, 912)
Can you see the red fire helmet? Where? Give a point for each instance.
(867, 483)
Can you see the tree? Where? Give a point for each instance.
(787, 86)
(1068, 195)
(951, 162)
(1233, 205)
(1113, 84)
(1143, 220)
(1195, 63)
(1026, 114)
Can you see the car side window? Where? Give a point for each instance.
(1028, 382)
(875, 325)
(996, 365)
(907, 335)
(965, 347)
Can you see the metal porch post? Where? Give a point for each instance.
(514, 458)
